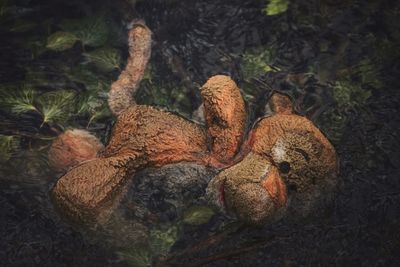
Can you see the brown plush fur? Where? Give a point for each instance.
(143, 137)
(284, 157)
(72, 148)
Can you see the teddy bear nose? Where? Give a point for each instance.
(253, 205)
(275, 187)
(252, 189)
(258, 200)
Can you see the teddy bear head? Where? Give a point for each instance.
(287, 158)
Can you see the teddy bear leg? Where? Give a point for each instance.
(225, 116)
(89, 191)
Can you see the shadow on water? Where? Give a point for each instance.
(339, 60)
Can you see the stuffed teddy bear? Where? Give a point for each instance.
(283, 164)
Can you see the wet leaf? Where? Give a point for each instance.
(161, 240)
(105, 59)
(56, 106)
(60, 41)
(8, 144)
(92, 31)
(139, 256)
(276, 7)
(198, 215)
(18, 100)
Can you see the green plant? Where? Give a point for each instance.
(275, 7)
(138, 256)
(60, 41)
(161, 240)
(198, 215)
(93, 105)
(256, 62)
(350, 94)
(56, 105)
(20, 101)
(106, 59)
(8, 144)
(91, 31)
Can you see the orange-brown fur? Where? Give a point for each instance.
(73, 147)
(282, 138)
(283, 152)
(225, 116)
(122, 91)
(142, 137)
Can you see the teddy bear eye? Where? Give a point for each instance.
(284, 167)
(303, 153)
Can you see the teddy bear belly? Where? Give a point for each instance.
(158, 197)
(161, 194)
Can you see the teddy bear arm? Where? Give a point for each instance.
(90, 190)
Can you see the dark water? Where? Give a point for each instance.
(338, 59)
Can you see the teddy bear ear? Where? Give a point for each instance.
(280, 103)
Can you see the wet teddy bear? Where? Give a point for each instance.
(284, 164)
